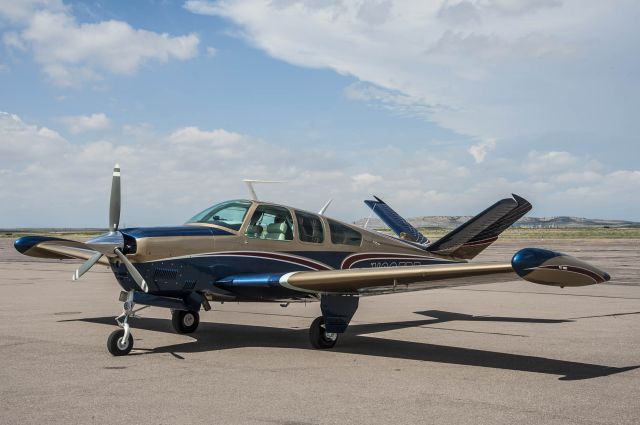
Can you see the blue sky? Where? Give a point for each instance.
(438, 107)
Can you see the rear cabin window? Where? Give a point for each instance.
(271, 223)
(341, 234)
(309, 227)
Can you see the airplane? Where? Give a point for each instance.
(254, 251)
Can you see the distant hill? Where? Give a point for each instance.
(559, 222)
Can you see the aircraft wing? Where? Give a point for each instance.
(57, 248)
(356, 280)
(375, 280)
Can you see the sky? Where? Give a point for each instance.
(439, 108)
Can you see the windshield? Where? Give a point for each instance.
(227, 214)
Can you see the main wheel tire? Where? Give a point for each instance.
(185, 322)
(116, 346)
(319, 336)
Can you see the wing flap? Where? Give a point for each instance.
(56, 248)
(357, 280)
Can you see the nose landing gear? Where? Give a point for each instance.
(120, 341)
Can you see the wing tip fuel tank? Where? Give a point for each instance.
(552, 268)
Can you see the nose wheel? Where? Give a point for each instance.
(185, 322)
(319, 337)
(118, 344)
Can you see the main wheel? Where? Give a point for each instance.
(117, 346)
(185, 322)
(319, 336)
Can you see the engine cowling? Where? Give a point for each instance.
(555, 268)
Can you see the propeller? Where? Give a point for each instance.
(114, 202)
(86, 265)
(112, 242)
(135, 274)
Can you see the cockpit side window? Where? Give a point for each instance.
(227, 214)
(309, 227)
(270, 223)
(341, 234)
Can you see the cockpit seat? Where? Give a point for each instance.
(276, 231)
(254, 231)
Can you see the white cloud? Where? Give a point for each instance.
(201, 7)
(559, 162)
(479, 151)
(22, 10)
(221, 143)
(13, 40)
(364, 181)
(22, 144)
(390, 100)
(211, 51)
(519, 6)
(47, 180)
(81, 123)
(72, 53)
(195, 137)
(509, 69)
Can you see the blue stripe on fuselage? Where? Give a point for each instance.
(252, 280)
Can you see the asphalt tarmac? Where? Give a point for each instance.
(492, 353)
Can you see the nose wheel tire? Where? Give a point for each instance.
(319, 337)
(185, 322)
(118, 346)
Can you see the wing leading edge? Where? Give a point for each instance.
(56, 248)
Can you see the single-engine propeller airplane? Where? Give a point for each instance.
(253, 251)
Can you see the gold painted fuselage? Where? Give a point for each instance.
(156, 248)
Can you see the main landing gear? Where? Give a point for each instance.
(319, 337)
(185, 322)
(337, 311)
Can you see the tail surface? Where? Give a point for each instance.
(399, 225)
(472, 237)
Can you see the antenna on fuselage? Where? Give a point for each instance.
(324, 208)
(250, 182)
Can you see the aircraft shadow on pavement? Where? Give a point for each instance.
(224, 336)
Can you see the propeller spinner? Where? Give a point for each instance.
(111, 244)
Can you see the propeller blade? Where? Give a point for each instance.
(114, 203)
(135, 274)
(87, 265)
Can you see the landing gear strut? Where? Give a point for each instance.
(120, 342)
(185, 322)
(319, 336)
